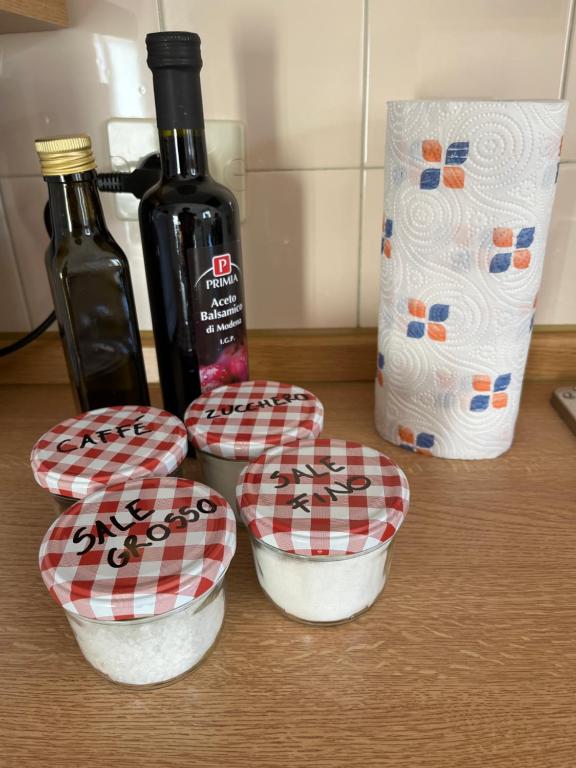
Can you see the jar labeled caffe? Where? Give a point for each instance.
(234, 424)
(106, 446)
(322, 516)
(139, 569)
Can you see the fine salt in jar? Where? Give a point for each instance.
(139, 569)
(234, 424)
(106, 446)
(322, 515)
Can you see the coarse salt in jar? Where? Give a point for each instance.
(322, 516)
(107, 446)
(139, 569)
(235, 424)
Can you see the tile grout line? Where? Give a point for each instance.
(248, 170)
(363, 148)
(254, 171)
(567, 50)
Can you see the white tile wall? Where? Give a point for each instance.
(300, 249)
(569, 145)
(494, 49)
(127, 235)
(370, 250)
(290, 69)
(13, 312)
(61, 82)
(557, 295)
(310, 79)
(25, 199)
(74, 79)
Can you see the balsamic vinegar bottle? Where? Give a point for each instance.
(191, 239)
(90, 282)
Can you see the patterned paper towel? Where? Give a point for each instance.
(469, 188)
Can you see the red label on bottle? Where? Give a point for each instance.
(219, 326)
(221, 265)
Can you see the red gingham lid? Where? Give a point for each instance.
(241, 421)
(323, 497)
(109, 445)
(138, 549)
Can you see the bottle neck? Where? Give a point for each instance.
(75, 205)
(183, 152)
(180, 120)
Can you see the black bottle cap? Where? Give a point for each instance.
(173, 50)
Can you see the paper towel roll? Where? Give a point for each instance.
(469, 188)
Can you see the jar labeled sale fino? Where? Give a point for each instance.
(139, 569)
(235, 424)
(322, 517)
(107, 446)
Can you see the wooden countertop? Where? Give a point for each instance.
(468, 658)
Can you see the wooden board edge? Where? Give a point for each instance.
(293, 356)
(32, 15)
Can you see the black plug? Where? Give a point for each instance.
(137, 182)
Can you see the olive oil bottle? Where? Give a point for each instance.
(90, 282)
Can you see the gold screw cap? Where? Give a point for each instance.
(61, 155)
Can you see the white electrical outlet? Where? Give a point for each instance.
(131, 140)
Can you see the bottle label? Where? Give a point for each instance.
(219, 317)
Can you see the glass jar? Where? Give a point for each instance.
(322, 516)
(321, 589)
(60, 503)
(139, 568)
(127, 652)
(221, 474)
(107, 446)
(235, 424)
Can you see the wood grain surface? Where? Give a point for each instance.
(337, 355)
(32, 15)
(468, 659)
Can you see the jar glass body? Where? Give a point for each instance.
(222, 475)
(152, 651)
(62, 503)
(322, 589)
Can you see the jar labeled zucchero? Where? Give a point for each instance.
(234, 424)
(322, 516)
(139, 569)
(107, 446)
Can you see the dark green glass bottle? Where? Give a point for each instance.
(90, 282)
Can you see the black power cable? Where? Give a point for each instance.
(21, 342)
(137, 183)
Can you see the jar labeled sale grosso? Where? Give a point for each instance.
(322, 517)
(107, 446)
(139, 570)
(234, 424)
